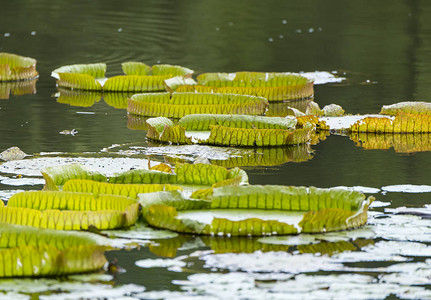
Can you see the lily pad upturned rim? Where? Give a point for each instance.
(327, 210)
(15, 67)
(92, 77)
(180, 104)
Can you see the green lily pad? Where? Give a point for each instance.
(229, 130)
(92, 77)
(272, 86)
(15, 67)
(178, 105)
(257, 210)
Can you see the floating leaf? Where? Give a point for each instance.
(58, 175)
(172, 70)
(173, 83)
(12, 236)
(410, 107)
(91, 77)
(49, 200)
(128, 190)
(93, 70)
(257, 210)
(139, 68)
(63, 220)
(203, 122)
(195, 174)
(47, 260)
(178, 105)
(17, 88)
(249, 133)
(273, 86)
(136, 83)
(403, 123)
(135, 68)
(78, 81)
(16, 67)
(68, 200)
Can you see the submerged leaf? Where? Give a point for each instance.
(257, 210)
(16, 67)
(178, 105)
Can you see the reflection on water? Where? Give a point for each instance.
(89, 98)
(385, 48)
(17, 88)
(404, 143)
(280, 109)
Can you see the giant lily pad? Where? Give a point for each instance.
(15, 67)
(403, 123)
(257, 210)
(75, 201)
(27, 251)
(128, 190)
(178, 105)
(273, 86)
(229, 130)
(47, 260)
(185, 174)
(92, 77)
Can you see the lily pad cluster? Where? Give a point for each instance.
(272, 86)
(138, 77)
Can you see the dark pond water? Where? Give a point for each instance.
(383, 48)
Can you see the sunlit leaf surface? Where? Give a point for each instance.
(178, 105)
(236, 130)
(273, 86)
(257, 210)
(15, 67)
